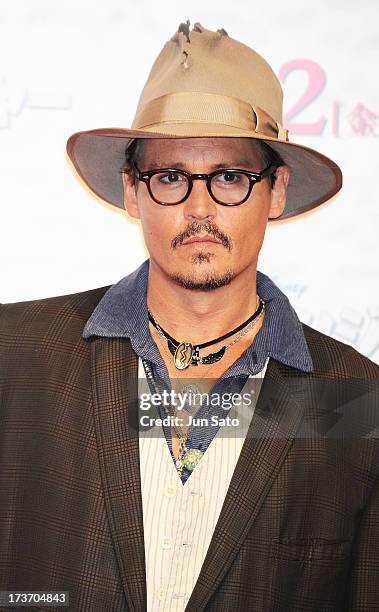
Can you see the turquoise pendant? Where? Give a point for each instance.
(192, 458)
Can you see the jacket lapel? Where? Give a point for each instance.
(114, 375)
(276, 419)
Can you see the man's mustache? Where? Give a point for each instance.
(199, 229)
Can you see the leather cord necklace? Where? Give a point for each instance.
(186, 354)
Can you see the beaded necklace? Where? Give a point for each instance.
(188, 457)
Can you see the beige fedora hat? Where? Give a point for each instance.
(206, 84)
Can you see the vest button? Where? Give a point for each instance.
(169, 490)
(166, 543)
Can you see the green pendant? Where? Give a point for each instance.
(192, 458)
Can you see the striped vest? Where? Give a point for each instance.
(179, 520)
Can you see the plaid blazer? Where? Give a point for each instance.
(299, 529)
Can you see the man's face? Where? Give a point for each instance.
(231, 236)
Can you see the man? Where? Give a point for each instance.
(281, 513)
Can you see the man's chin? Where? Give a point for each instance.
(205, 281)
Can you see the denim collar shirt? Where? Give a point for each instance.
(122, 313)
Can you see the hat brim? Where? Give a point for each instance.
(98, 155)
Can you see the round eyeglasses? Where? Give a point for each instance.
(227, 186)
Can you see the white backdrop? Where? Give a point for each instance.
(75, 64)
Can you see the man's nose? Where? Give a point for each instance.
(199, 204)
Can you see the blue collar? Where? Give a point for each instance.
(122, 313)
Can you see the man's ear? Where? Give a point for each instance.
(279, 192)
(130, 196)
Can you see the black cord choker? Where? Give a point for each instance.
(186, 354)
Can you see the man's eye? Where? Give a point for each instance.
(229, 178)
(171, 178)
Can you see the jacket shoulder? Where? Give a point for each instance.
(337, 358)
(42, 316)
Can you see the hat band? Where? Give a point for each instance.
(200, 107)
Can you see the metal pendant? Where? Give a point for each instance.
(192, 458)
(183, 355)
(213, 357)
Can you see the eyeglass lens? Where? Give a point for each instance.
(226, 187)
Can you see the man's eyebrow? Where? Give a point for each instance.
(182, 166)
